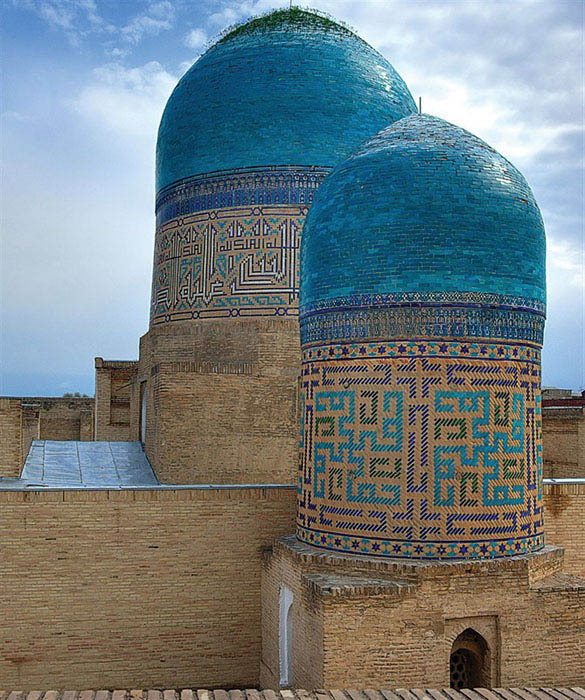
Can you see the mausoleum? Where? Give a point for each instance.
(324, 470)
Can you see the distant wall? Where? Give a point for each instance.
(564, 522)
(23, 419)
(10, 437)
(142, 588)
(563, 437)
(114, 381)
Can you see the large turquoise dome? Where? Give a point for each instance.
(424, 208)
(289, 88)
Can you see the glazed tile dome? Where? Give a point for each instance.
(423, 207)
(289, 88)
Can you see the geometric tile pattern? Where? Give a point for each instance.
(422, 314)
(416, 318)
(228, 246)
(417, 450)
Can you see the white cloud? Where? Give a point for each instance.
(76, 18)
(564, 263)
(158, 17)
(128, 101)
(12, 115)
(196, 39)
(234, 12)
(79, 19)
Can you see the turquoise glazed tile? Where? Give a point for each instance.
(291, 88)
(424, 208)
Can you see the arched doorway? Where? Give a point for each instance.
(470, 661)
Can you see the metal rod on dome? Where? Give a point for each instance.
(419, 102)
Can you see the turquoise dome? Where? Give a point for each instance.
(423, 207)
(289, 88)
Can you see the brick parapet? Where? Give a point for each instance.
(220, 492)
(82, 563)
(100, 363)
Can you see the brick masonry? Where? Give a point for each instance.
(564, 519)
(359, 621)
(294, 694)
(221, 400)
(82, 564)
(135, 587)
(563, 438)
(113, 388)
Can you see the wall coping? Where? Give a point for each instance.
(240, 492)
(37, 488)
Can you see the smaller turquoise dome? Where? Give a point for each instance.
(424, 206)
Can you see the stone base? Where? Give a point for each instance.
(360, 622)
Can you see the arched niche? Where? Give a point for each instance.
(470, 661)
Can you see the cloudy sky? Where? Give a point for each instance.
(84, 83)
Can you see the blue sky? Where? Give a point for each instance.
(84, 83)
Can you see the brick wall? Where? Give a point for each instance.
(394, 624)
(162, 586)
(307, 625)
(23, 419)
(135, 588)
(64, 418)
(289, 694)
(563, 437)
(30, 427)
(221, 401)
(564, 521)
